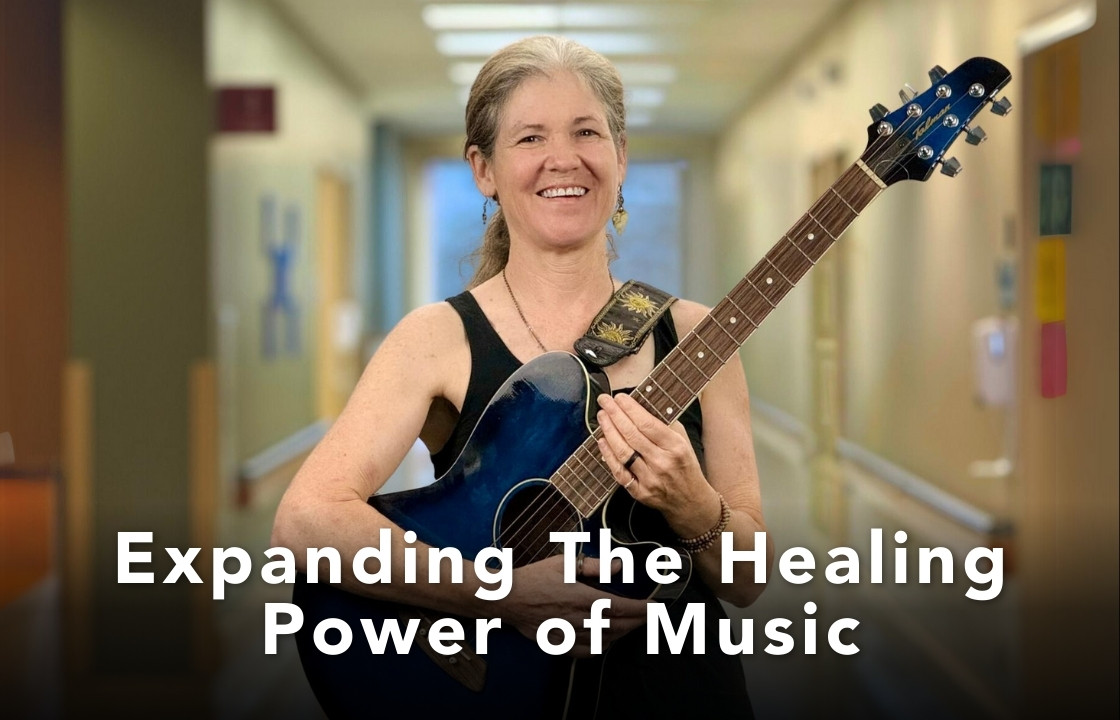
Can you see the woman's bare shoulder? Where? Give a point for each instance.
(428, 331)
(427, 346)
(686, 313)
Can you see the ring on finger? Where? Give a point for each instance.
(631, 460)
(632, 481)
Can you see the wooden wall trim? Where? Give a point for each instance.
(204, 507)
(77, 504)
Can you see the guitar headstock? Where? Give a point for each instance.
(907, 143)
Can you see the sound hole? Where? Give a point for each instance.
(530, 515)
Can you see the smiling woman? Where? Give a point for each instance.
(478, 378)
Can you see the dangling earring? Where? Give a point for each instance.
(620, 217)
(485, 203)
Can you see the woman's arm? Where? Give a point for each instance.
(668, 475)
(326, 503)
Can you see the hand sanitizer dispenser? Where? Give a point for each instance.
(994, 349)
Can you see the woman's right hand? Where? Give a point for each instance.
(540, 593)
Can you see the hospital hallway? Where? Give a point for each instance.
(213, 212)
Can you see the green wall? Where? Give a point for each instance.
(138, 117)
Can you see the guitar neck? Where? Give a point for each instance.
(676, 381)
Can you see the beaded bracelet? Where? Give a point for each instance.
(700, 543)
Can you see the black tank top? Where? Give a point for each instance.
(625, 682)
(492, 363)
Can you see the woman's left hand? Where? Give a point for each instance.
(652, 461)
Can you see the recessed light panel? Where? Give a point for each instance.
(484, 43)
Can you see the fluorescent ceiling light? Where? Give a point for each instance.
(479, 44)
(1059, 26)
(547, 16)
(645, 96)
(464, 73)
(647, 73)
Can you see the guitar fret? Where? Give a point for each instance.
(678, 377)
(777, 270)
(741, 310)
(844, 200)
(791, 242)
(724, 331)
(673, 394)
(841, 215)
(761, 293)
(822, 226)
(655, 407)
(688, 356)
(819, 243)
(790, 261)
(701, 339)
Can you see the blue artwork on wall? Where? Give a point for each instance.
(280, 312)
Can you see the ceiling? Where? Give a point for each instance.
(688, 64)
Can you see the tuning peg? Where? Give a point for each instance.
(878, 112)
(951, 167)
(936, 74)
(975, 135)
(1001, 106)
(907, 93)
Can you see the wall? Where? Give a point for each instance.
(1070, 465)
(33, 291)
(320, 127)
(918, 266)
(137, 123)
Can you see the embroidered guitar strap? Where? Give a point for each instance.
(623, 323)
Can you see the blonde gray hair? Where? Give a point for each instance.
(503, 73)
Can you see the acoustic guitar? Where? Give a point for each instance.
(532, 467)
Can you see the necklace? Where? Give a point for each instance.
(521, 313)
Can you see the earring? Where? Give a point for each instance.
(620, 217)
(485, 203)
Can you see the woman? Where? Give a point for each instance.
(546, 142)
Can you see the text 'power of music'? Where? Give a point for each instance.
(493, 568)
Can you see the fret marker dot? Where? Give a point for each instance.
(649, 388)
(700, 354)
(810, 236)
(732, 321)
(769, 281)
(668, 411)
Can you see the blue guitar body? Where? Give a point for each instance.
(537, 419)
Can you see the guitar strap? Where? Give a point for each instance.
(623, 323)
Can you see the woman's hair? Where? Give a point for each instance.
(503, 73)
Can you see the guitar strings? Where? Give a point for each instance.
(551, 504)
(548, 504)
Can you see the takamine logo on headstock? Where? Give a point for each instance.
(929, 122)
(909, 142)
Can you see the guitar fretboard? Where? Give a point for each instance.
(675, 383)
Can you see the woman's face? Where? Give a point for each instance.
(555, 168)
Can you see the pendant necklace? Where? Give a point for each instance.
(521, 313)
